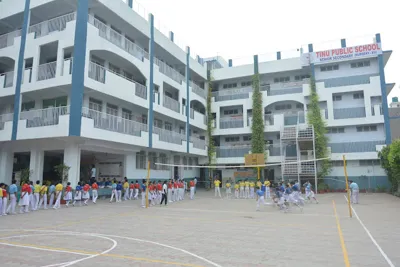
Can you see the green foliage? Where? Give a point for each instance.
(390, 162)
(210, 126)
(257, 126)
(25, 175)
(62, 171)
(323, 186)
(321, 140)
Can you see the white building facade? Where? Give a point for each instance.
(93, 82)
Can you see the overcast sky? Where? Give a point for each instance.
(239, 29)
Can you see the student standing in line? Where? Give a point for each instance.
(52, 190)
(119, 191)
(228, 190)
(31, 196)
(3, 199)
(246, 189)
(143, 188)
(176, 189)
(36, 195)
(252, 185)
(24, 199)
(95, 195)
(126, 189)
(170, 185)
(68, 194)
(260, 200)
(164, 197)
(13, 189)
(137, 186)
(237, 190)
(217, 189)
(159, 192)
(192, 186)
(114, 191)
(267, 189)
(59, 188)
(241, 189)
(85, 194)
(43, 196)
(131, 190)
(78, 194)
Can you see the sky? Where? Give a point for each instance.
(240, 29)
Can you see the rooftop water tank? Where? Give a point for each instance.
(395, 99)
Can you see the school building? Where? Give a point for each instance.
(98, 82)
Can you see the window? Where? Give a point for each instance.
(190, 163)
(367, 128)
(153, 159)
(337, 163)
(301, 77)
(360, 64)
(126, 114)
(230, 85)
(246, 84)
(247, 138)
(144, 119)
(370, 162)
(358, 96)
(112, 110)
(231, 112)
(299, 105)
(337, 97)
(185, 163)
(283, 107)
(282, 79)
(168, 126)
(163, 160)
(27, 106)
(95, 104)
(336, 130)
(232, 139)
(141, 160)
(329, 68)
(158, 123)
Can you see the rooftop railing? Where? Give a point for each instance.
(348, 81)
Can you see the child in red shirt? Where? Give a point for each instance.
(131, 190)
(4, 200)
(137, 186)
(24, 199)
(68, 194)
(95, 195)
(86, 194)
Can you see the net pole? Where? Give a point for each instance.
(347, 185)
(147, 184)
(258, 174)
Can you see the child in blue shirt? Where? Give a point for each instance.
(119, 191)
(78, 194)
(114, 191)
(260, 196)
(143, 189)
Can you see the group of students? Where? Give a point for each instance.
(243, 188)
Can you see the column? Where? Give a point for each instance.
(36, 165)
(230, 63)
(187, 98)
(278, 55)
(72, 159)
(130, 166)
(60, 61)
(343, 42)
(151, 80)
(171, 36)
(6, 165)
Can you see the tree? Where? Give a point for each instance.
(210, 126)
(390, 162)
(321, 140)
(257, 126)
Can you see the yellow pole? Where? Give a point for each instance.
(147, 184)
(347, 185)
(258, 173)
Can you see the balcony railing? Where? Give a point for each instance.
(269, 119)
(348, 81)
(113, 123)
(98, 73)
(274, 150)
(169, 136)
(231, 122)
(168, 71)
(349, 113)
(67, 66)
(198, 90)
(170, 103)
(7, 39)
(8, 78)
(234, 151)
(43, 117)
(355, 147)
(198, 143)
(47, 71)
(4, 118)
(118, 39)
(232, 94)
(294, 118)
(56, 24)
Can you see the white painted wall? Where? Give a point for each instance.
(346, 70)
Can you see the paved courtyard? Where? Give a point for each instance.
(206, 232)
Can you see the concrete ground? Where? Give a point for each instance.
(206, 232)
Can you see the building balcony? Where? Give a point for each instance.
(349, 113)
(195, 115)
(232, 94)
(355, 147)
(5, 118)
(49, 26)
(283, 88)
(198, 90)
(7, 79)
(47, 71)
(111, 79)
(198, 143)
(234, 151)
(274, 122)
(118, 39)
(231, 122)
(7, 39)
(348, 81)
(171, 103)
(168, 136)
(169, 71)
(377, 110)
(6, 121)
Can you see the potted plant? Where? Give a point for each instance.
(62, 171)
(25, 175)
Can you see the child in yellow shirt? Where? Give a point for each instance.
(246, 189)
(252, 184)
(217, 189)
(237, 190)
(267, 189)
(241, 189)
(228, 190)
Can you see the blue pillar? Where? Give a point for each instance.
(78, 74)
(310, 48)
(278, 55)
(230, 63)
(20, 68)
(130, 3)
(343, 42)
(151, 80)
(187, 98)
(385, 107)
(255, 64)
(171, 36)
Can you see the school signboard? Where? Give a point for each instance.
(341, 54)
(254, 159)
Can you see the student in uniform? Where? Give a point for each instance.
(36, 195)
(78, 194)
(260, 200)
(309, 192)
(52, 190)
(31, 196)
(126, 188)
(119, 191)
(86, 194)
(246, 189)
(95, 195)
(355, 191)
(252, 184)
(131, 190)
(164, 193)
(241, 189)
(159, 191)
(137, 186)
(43, 196)
(170, 185)
(192, 189)
(114, 191)
(24, 199)
(217, 189)
(237, 190)
(267, 189)
(1, 199)
(228, 190)
(143, 191)
(176, 189)
(4, 199)
(12, 191)
(68, 194)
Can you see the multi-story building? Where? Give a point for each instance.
(97, 83)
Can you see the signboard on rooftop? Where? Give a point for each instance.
(342, 54)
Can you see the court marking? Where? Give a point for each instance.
(389, 262)
(123, 237)
(342, 244)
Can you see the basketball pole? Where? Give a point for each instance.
(147, 184)
(347, 185)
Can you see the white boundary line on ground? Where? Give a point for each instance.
(372, 238)
(114, 236)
